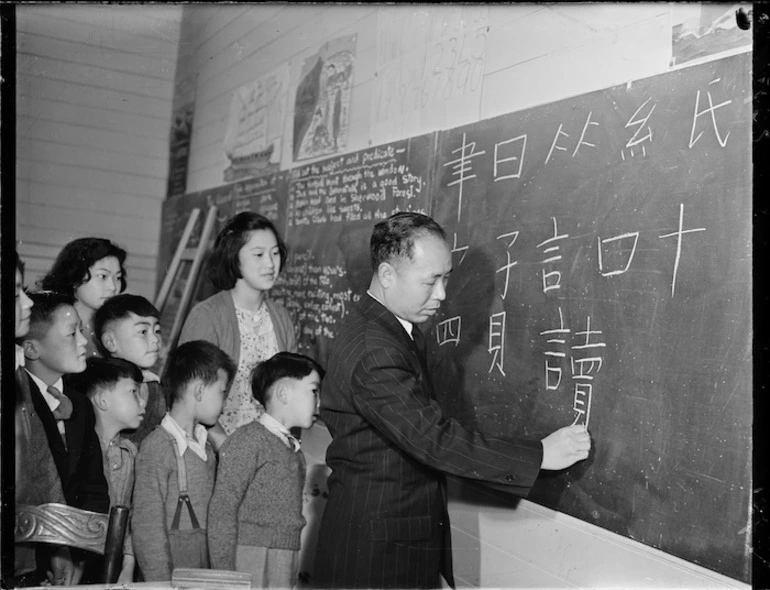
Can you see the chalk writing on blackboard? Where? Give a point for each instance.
(643, 131)
(711, 110)
(448, 331)
(511, 240)
(456, 248)
(460, 165)
(357, 187)
(556, 339)
(551, 253)
(518, 143)
(679, 234)
(316, 307)
(616, 244)
(584, 368)
(633, 211)
(259, 194)
(496, 345)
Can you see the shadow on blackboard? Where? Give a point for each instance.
(470, 293)
(353, 244)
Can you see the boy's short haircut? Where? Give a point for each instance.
(45, 304)
(119, 307)
(279, 366)
(104, 373)
(193, 360)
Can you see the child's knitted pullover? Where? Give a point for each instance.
(257, 499)
(156, 493)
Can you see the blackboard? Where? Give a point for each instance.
(602, 274)
(332, 206)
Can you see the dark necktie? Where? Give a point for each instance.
(419, 340)
(422, 355)
(64, 410)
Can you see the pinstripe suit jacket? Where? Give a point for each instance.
(386, 523)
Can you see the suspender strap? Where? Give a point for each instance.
(181, 472)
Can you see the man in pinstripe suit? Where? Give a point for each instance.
(385, 524)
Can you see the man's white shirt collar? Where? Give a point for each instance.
(50, 400)
(279, 430)
(408, 326)
(20, 360)
(197, 444)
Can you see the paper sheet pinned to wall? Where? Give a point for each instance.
(255, 125)
(430, 69)
(322, 103)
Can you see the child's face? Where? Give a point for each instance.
(212, 400)
(103, 284)
(135, 338)
(63, 348)
(260, 260)
(124, 404)
(303, 398)
(23, 307)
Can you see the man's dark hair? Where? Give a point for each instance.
(279, 366)
(193, 360)
(224, 267)
(394, 237)
(119, 307)
(104, 373)
(45, 304)
(71, 267)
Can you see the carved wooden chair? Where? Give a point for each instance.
(60, 524)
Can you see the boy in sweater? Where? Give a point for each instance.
(176, 466)
(128, 327)
(255, 515)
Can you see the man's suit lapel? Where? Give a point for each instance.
(378, 313)
(51, 431)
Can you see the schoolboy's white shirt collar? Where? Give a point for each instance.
(279, 430)
(50, 400)
(148, 376)
(197, 444)
(20, 360)
(408, 326)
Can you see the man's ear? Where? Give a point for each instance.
(31, 349)
(109, 341)
(386, 274)
(198, 390)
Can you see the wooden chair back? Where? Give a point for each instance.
(60, 524)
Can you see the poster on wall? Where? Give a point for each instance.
(430, 68)
(179, 136)
(703, 29)
(322, 104)
(255, 126)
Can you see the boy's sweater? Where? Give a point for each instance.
(155, 498)
(257, 499)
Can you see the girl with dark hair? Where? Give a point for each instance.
(241, 319)
(92, 270)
